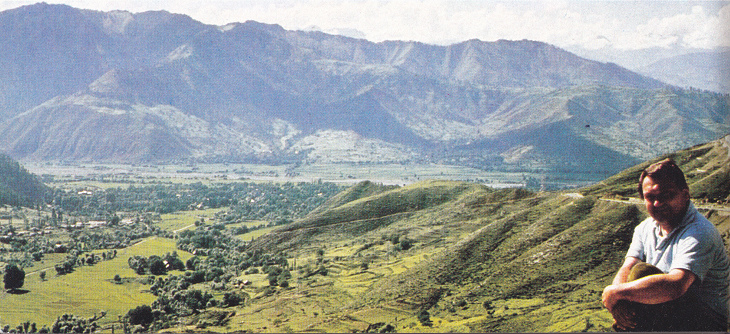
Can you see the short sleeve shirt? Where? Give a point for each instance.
(695, 245)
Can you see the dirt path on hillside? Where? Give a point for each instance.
(184, 228)
(636, 201)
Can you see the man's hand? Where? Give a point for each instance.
(623, 312)
(609, 297)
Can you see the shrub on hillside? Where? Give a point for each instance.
(140, 315)
(14, 277)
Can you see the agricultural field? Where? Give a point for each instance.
(182, 220)
(86, 291)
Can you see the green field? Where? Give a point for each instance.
(183, 220)
(255, 233)
(86, 291)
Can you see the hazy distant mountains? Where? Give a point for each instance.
(699, 68)
(704, 70)
(116, 86)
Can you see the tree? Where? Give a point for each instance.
(157, 266)
(14, 277)
(141, 315)
(232, 299)
(192, 262)
(425, 318)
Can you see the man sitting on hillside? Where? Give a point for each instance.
(690, 289)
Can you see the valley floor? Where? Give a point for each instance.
(347, 174)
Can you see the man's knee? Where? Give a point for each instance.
(643, 269)
(683, 314)
(645, 316)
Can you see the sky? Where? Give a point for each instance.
(590, 25)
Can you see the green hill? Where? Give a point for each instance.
(18, 187)
(555, 250)
(345, 220)
(476, 258)
(706, 166)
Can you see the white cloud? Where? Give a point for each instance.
(723, 23)
(696, 29)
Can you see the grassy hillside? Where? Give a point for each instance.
(482, 259)
(556, 251)
(479, 259)
(349, 219)
(706, 166)
(360, 190)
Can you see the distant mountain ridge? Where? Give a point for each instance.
(706, 69)
(94, 86)
(702, 70)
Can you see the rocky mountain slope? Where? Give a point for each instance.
(157, 87)
(504, 260)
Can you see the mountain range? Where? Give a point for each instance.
(115, 86)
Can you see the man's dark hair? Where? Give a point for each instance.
(663, 171)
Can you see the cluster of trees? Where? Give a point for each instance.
(277, 202)
(249, 200)
(176, 298)
(26, 327)
(76, 258)
(164, 311)
(399, 244)
(206, 237)
(277, 276)
(25, 249)
(117, 236)
(156, 265)
(224, 258)
(68, 323)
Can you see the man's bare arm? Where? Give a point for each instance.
(623, 274)
(653, 289)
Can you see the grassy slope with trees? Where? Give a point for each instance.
(497, 260)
